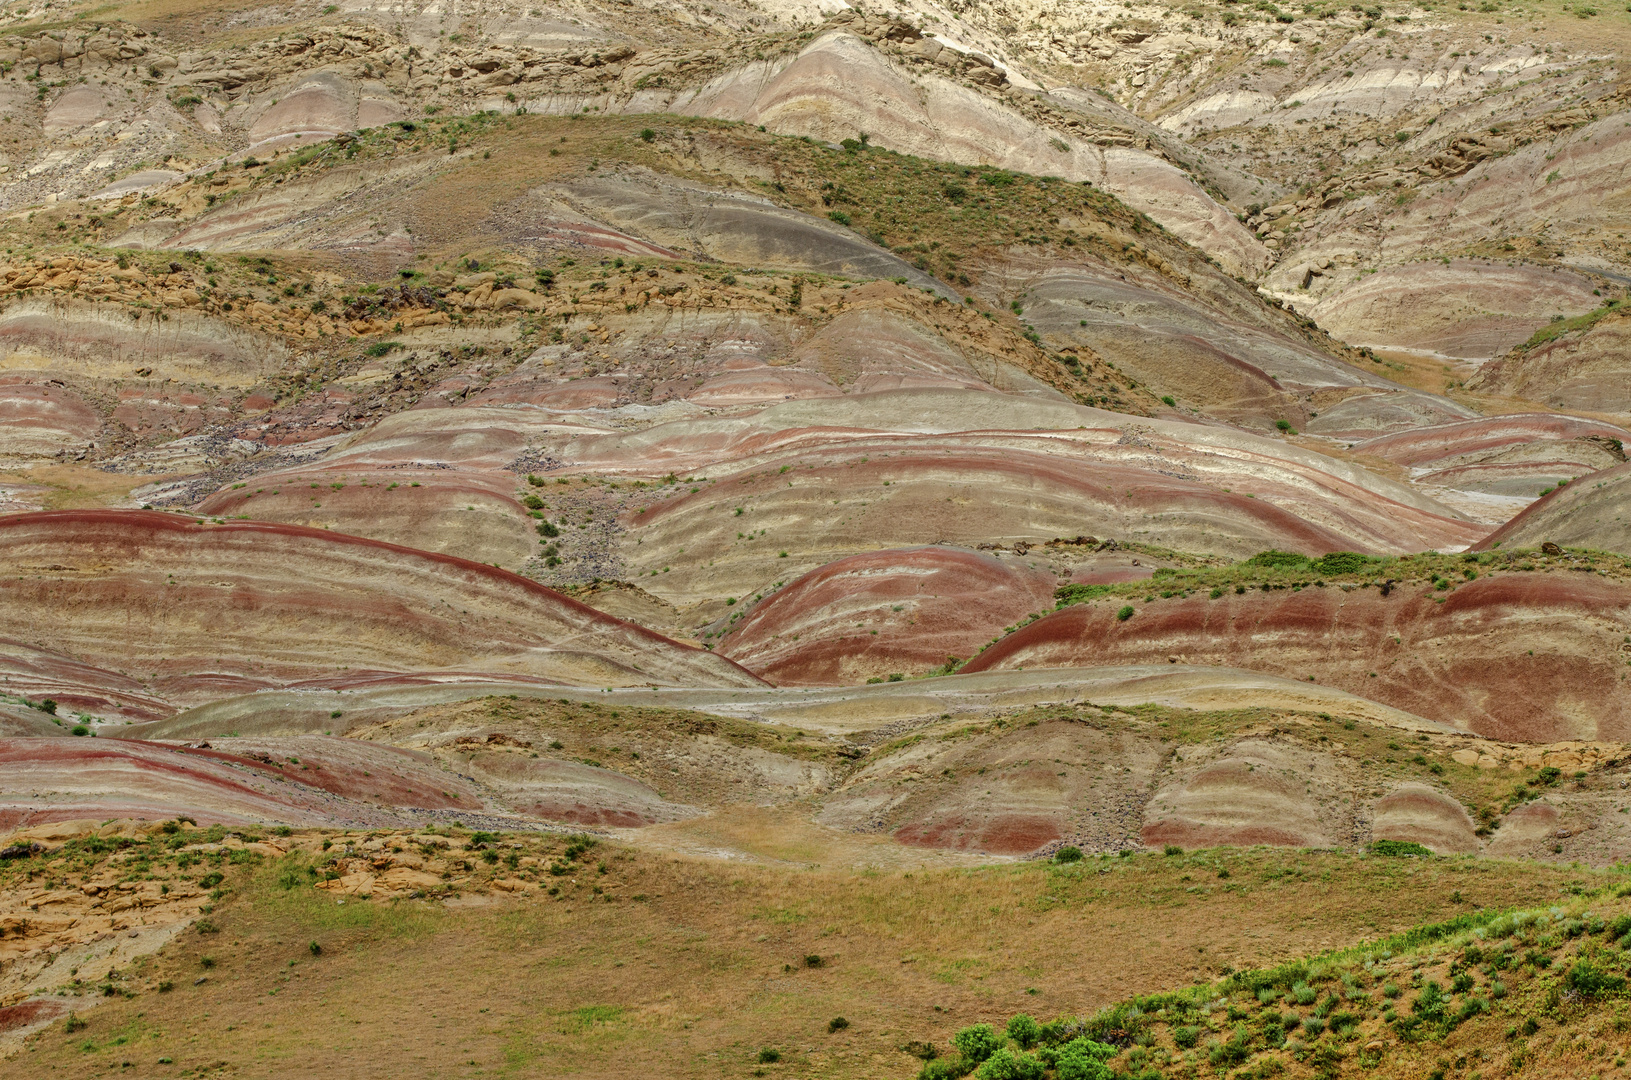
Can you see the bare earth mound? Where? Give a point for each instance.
(894, 611)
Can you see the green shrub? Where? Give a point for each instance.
(1024, 1030)
(1007, 1064)
(950, 1068)
(1589, 980)
(1066, 595)
(1398, 848)
(838, 216)
(1278, 560)
(1429, 1004)
(837, 1023)
(1340, 562)
(1084, 1059)
(1172, 850)
(1186, 1037)
(1068, 855)
(1235, 1051)
(768, 1056)
(1125, 613)
(976, 1043)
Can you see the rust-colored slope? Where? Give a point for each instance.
(1521, 656)
(171, 597)
(902, 610)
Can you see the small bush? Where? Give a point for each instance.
(1589, 980)
(1233, 1052)
(945, 1069)
(837, 1023)
(316, 949)
(1172, 850)
(1398, 848)
(73, 1024)
(1084, 1059)
(1008, 1064)
(1024, 1030)
(646, 134)
(1340, 562)
(976, 1043)
(1068, 855)
(1429, 1004)
(1186, 1037)
(1278, 560)
(769, 1056)
(812, 961)
(1125, 613)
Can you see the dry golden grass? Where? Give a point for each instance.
(74, 487)
(687, 968)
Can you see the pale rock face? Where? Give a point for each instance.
(77, 108)
(1472, 309)
(319, 105)
(840, 87)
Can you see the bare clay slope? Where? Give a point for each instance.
(1577, 364)
(180, 603)
(1591, 512)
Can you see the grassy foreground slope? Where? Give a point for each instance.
(646, 964)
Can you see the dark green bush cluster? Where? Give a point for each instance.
(1025, 1049)
(1310, 1009)
(1334, 563)
(1398, 848)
